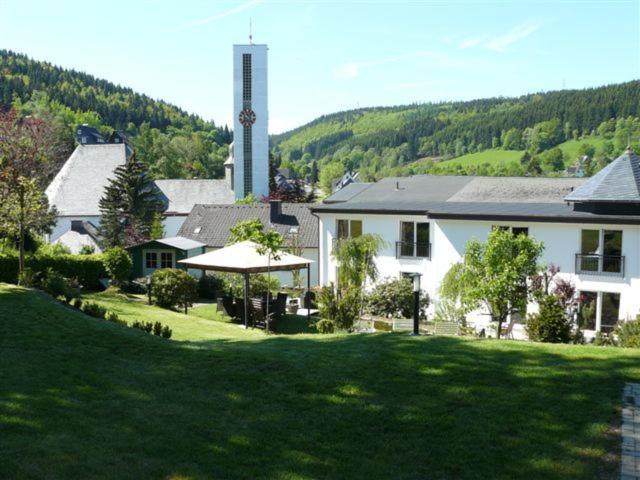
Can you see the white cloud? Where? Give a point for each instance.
(472, 41)
(225, 13)
(516, 34)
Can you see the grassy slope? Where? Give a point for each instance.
(496, 156)
(83, 398)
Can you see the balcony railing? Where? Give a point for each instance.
(592, 264)
(413, 250)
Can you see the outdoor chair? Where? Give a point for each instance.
(226, 306)
(507, 332)
(258, 316)
(280, 305)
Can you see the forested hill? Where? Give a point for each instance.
(383, 141)
(173, 142)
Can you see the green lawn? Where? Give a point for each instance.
(84, 398)
(492, 156)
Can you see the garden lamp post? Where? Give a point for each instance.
(416, 302)
(149, 288)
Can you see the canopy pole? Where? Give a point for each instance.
(246, 300)
(308, 292)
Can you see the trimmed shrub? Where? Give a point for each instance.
(88, 269)
(628, 333)
(77, 303)
(118, 264)
(325, 326)
(94, 310)
(550, 324)
(210, 287)
(157, 329)
(171, 287)
(394, 298)
(112, 316)
(166, 332)
(603, 339)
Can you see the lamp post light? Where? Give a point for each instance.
(149, 288)
(416, 302)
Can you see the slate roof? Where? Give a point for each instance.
(617, 182)
(78, 186)
(462, 197)
(182, 195)
(347, 193)
(215, 221)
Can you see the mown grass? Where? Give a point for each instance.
(85, 398)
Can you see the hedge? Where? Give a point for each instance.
(88, 269)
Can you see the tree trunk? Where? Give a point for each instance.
(21, 238)
(499, 330)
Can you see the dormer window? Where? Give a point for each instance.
(197, 230)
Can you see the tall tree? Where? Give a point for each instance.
(129, 205)
(25, 146)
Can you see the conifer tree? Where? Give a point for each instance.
(129, 205)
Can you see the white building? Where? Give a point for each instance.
(77, 188)
(590, 228)
(248, 167)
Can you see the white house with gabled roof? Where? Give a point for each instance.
(590, 228)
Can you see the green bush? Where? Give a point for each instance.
(340, 307)
(550, 324)
(325, 326)
(112, 316)
(157, 329)
(603, 339)
(394, 298)
(77, 303)
(171, 287)
(258, 284)
(166, 332)
(210, 287)
(118, 264)
(94, 310)
(144, 326)
(27, 278)
(88, 269)
(87, 250)
(55, 284)
(628, 333)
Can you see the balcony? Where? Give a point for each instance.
(413, 250)
(593, 264)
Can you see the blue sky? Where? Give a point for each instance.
(326, 56)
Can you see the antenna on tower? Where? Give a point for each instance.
(250, 34)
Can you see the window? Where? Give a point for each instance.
(600, 252)
(166, 260)
(587, 310)
(348, 229)
(599, 311)
(610, 311)
(151, 260)
(414, 240)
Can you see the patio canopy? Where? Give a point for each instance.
(243, 257)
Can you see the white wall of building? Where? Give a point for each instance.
(448, 240)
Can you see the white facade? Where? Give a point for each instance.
(448, 238)
(250, 121)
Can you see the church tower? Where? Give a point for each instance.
(250, 121)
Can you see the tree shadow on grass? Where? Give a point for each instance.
(82, 398)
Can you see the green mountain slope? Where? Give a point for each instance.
(171, 141)
(384, 141)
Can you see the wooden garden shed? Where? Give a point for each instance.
(149, 256)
